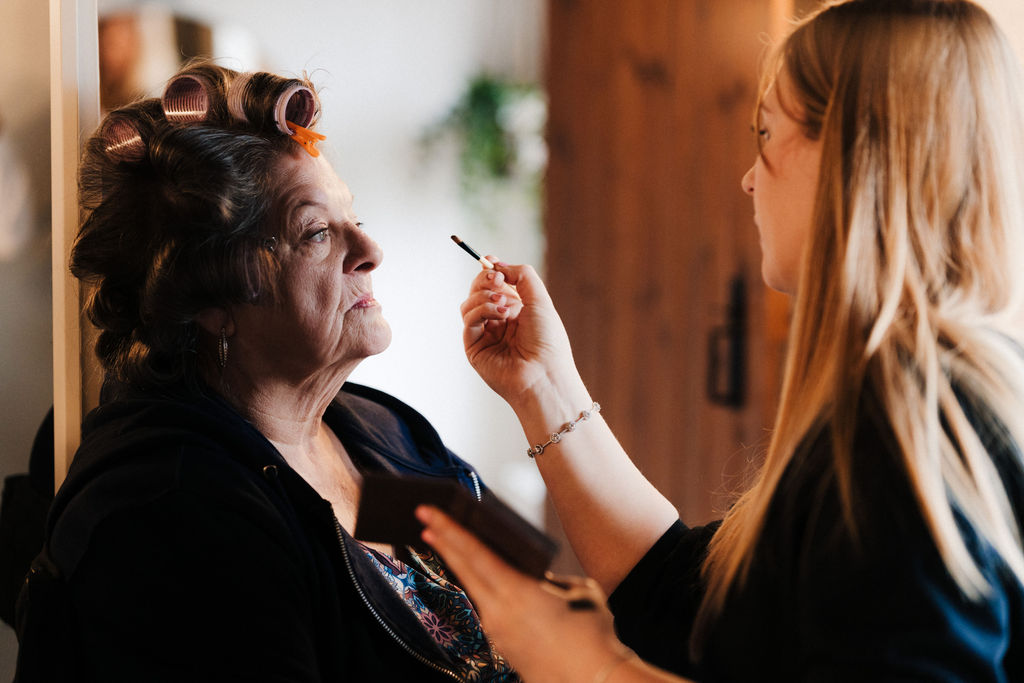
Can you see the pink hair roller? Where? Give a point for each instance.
(297, 105)
(121, 139)
(186, 99)
(236, 96)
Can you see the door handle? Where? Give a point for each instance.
(727, 342)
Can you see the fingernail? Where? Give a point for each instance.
(502, 309)
(490, 275)
(424, 514)
(550, 578)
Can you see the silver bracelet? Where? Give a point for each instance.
(534, 451)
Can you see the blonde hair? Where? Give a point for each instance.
(917, 277)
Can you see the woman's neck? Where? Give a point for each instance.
(289, 412)
(290, 416)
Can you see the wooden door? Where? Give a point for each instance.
(649, 233)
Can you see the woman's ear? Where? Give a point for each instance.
(215, 319)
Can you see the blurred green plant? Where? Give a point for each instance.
(499, 126)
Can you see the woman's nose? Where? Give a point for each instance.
(363, 253)
(747, 181)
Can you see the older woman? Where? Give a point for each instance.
(204, 530)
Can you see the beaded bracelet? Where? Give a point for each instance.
(570, 426)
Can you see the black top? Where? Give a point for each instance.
(182, 547)
(819, 607)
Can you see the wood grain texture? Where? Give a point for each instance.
(649, 133)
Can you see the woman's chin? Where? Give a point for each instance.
(370, 342)
(384, 341)
(378, 340)
(775, 281)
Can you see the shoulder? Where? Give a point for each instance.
(890, 604)
(901, 609)
(146, 458)
(367, 411)
(224, 579)
(362, 408)
(390, 432)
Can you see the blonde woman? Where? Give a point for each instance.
(882, 538)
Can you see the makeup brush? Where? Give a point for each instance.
(469, 250)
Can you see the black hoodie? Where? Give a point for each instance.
(182, 547)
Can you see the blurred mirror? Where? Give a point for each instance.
(140, 46)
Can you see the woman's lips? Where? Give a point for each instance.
(365, 301)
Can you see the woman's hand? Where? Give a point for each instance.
(513, 336)
(538, 625)
(516, 342)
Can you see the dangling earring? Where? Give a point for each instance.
(222, 349)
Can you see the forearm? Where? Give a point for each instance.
(516, 341)
(610, 512)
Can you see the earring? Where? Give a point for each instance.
(222, 349)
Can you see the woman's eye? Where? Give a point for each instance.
(762, 133)
(319, 236)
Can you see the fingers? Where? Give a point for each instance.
(478, 310)
(579, 592)
(486, 300)
(494, 280)
(546, 632)
(577, 585)
(481, 573)
(525, 280)
(491, 298)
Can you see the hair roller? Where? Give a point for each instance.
(121, 139)
(186, 98)
(268, 102)
(297, 104)
(236, 96)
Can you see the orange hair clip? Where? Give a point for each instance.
(306, 138)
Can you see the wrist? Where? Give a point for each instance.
(548, 406)
(570, 426)
(552, 396)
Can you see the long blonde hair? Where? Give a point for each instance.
(913, 279)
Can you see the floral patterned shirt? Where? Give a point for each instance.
(446, 613)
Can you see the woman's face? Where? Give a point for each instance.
(783, 182)
(324, 315)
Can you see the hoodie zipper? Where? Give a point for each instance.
(476, 485)
(380, 620)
